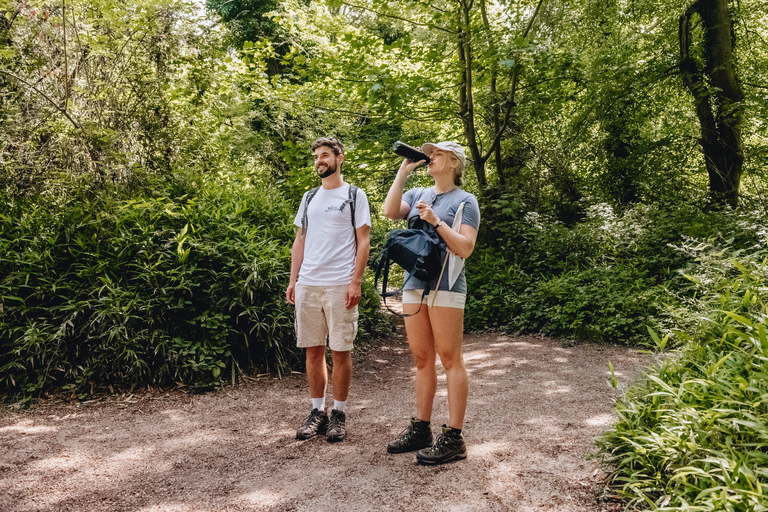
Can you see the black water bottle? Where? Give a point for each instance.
(410, 152)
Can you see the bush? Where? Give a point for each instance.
(692, 434)
(606, 278)
(147, 290)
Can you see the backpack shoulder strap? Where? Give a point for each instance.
(310, 195)
(352, 202)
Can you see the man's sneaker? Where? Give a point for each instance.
(314, 424)
(337, 427)
(417, 435)
(449, 447)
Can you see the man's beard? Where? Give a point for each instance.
(328, 171)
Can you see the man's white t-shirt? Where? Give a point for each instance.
(329, 246)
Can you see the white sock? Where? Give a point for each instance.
(340, 406)
(318, 403)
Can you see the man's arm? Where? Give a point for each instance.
(297, 257)
(354, 289)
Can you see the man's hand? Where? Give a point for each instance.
(353, 294)
(290, 293)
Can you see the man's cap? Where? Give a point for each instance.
(446, 146)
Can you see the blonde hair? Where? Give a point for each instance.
(459, 169)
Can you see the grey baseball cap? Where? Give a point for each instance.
(454, 148)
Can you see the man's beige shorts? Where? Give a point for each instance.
(321, 312)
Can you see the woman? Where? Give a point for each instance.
(437, 328)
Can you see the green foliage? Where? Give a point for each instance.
(111, 92)
(144, 289)
(692, 434)
(606, 278)
(147, 290)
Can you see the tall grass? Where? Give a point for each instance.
(693, 435)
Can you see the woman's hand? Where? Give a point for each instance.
(426, 213)
(394, 206)
(408, 166)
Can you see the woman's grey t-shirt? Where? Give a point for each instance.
(445, 206)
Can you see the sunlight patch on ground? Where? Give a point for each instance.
(488, 449)
(480, 362)
(28, 427)
(175, 415)
(553, 388)
(62, 462)
(262, 497)
(523, 345)
(601, 420)
(546, 425)
(489, 373)
(560, 359)
(168, 507)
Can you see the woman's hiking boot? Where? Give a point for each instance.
(449, 447)
(337, 427)
(314, 424)
(417, 435)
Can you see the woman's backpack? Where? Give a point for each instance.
(417, 251)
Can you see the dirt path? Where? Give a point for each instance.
(534, 409)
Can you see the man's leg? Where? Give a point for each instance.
(342, 329)
(311, 331)
(342, 374)
(317, 378)
(341, 378)
(317, 371)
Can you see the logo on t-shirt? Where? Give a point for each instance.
(337, 208)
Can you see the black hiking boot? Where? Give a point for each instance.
(337, 427)
(314, 424)
(417, 435)
(449, 447)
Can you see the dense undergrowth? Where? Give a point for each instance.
(693, 434)
(607, 278)
(112, 290)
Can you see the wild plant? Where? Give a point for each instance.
(693, 434)
(119, 290)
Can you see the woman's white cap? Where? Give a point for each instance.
(454, 148)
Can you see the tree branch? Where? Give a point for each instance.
(47, 98)
(416, 23)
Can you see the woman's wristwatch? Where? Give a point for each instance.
(439, 223)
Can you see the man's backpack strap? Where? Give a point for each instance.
(352, 201)
(310, 195)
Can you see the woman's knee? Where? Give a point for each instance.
(451, 359)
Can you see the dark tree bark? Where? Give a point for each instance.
(466, 91)
(717, 97)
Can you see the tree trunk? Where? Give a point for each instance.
(717, 97)
(466, 97)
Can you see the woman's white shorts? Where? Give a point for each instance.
(444, 299)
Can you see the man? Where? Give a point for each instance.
(328, 260)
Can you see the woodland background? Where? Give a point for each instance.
(154, 154)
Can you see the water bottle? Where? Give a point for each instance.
(410, 152)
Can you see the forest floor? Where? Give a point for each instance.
(534, 408)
